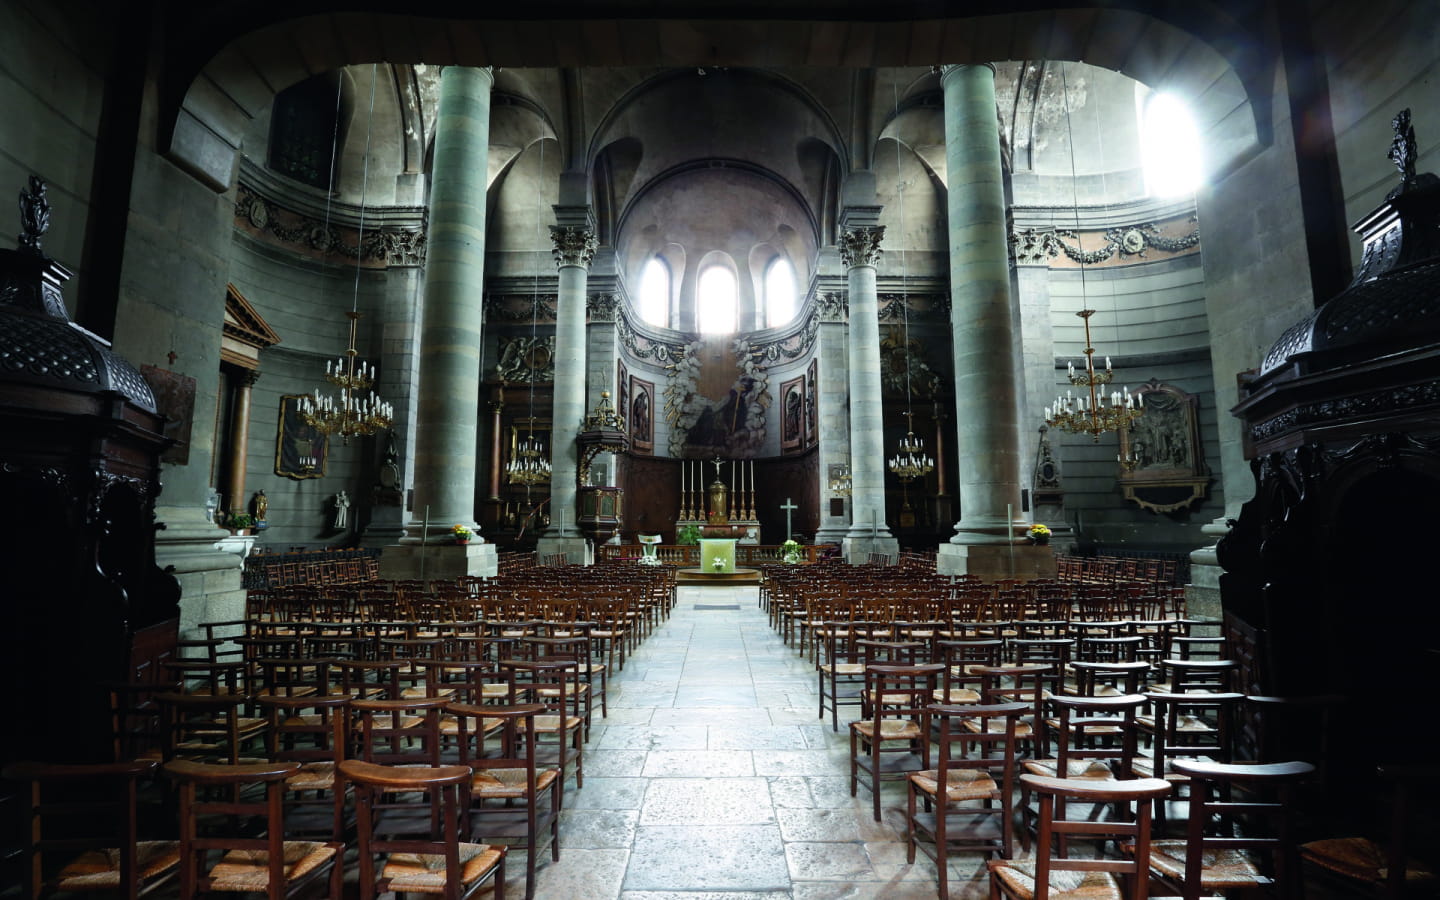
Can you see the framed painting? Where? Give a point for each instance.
(812, 404)
(175, 400)
(622, 392)
(792, 414)
(301, 449)
(641, 415)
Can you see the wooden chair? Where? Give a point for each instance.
(208, 727)
(512, 798)
(268, 864)
(1195, 726)
(901, 697)
(89, 813)
(313, 731)
(399, 732)
(558, 732)
(437, 863)
(1053, 872)
(961, 682)
(1224, 834)
(960, 780)
(1380, 864)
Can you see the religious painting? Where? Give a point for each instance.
(1161, 460)
(301, 449)
(718, 401)
(622, 391)
(642, 416)
(792, 414)
(812, 404)
(175, 400)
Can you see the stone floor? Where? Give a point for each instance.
(714, 778)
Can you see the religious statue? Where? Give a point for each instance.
(34, 215)
(342, 509)
(1402, 147)
(262, 505)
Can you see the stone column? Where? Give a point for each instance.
(869, 533)
(450, 335)
(574, 248)
(982, 329)
(240, 439)
(833, 414)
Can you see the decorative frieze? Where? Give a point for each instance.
(525, 359)
(1038, 246)
(1332, 410)
(832, 306)
(377, 248)
(520, 307)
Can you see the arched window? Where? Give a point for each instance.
(655, 293)
(716, 301)
(302, 132)
(780, 293)
(1170, 146)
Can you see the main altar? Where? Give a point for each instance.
(718, 509)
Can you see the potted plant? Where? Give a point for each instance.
(1038, 534)
(461, 534)
(687, 534)
(240, 523)
(790, 551)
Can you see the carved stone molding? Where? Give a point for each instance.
(860, 246)
(603, 307)
(520, 307)
(526, 359)
(917, 307)
(574, 245)
(832, 306)
(377, 248)
(1038, 246)
(1162, 462)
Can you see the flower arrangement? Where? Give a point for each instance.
(717, 564)
(1038, 534)
(790, 551)
(461, 534)
(239, 521)
(688, 534)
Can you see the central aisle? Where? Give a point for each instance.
(714, 778)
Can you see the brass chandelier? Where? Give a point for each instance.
(1094, 412)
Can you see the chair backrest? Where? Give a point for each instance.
(1056, 830)
(902, 692)
(98, 812)
(307, 729)
(989, 747)
(196, 781)
(1261, 821)
(1193, 725)
(1093, 731)
(397, 732)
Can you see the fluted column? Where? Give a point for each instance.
(982, 326)
(450, 334)
(574, 248)
(859, 251)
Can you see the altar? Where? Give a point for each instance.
(719, 510)
(717, 556)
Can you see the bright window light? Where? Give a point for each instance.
(1171, 147)
(716, 301)
(779, 293)
(655, 293)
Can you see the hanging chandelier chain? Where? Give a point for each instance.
(910, 461)
(353, 413)
(529, 464)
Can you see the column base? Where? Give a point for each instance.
(857, 551)
(210, 582)
(438, 562)
(993, 562)
(574, 550)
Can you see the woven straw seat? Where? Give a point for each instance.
(424, 873)
(1364, 860)
(99, 870)
(1093, 769)
(960, 784)
(956, 696)
(1019, 878)
(890, 729)
(1224, 869)
(509, 783)
(249, 870)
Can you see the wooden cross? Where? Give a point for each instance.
(789, 507)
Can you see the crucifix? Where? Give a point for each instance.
(717, 462)
(789, 507)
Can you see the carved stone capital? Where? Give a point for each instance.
(860, 246)
(604, 307)
(574, 245)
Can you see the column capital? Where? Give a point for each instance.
(246, 378)
(949, 69)
(574, 245)
(860, 246)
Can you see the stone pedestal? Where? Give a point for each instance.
(576, 550)
(992, 562)
(442, 562)
(857, 550)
